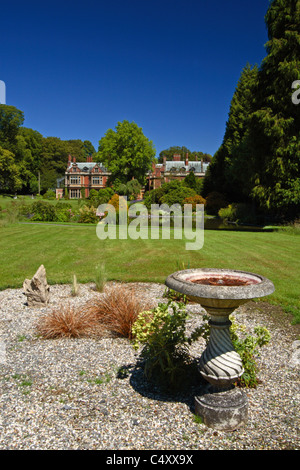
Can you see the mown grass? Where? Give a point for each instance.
(67, 250)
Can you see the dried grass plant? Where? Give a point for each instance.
(116, 310)
(68, 321)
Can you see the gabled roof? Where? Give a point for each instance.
(191, 165)
(87, 166)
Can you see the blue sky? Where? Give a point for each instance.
(77, 68)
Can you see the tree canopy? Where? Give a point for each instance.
(126, 152)
(259, 159)
(31, 157)
(182, 151)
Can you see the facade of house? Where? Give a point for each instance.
(83, 176)
(174, 169)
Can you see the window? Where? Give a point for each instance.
(75, 179)
(74, 193)
(97, 180)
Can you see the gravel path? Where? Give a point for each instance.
(66, 394)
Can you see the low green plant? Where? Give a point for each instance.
(75, 286)
(100, 278)
(175, 296)
(247, 346)
(165, 355)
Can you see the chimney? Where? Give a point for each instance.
(186, 159)
(74, 159)
(196, 158)
(69, 160)
(164, 160)
(176, 157)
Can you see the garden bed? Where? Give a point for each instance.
(89, 393)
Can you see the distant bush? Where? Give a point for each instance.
(240, 213)
(194, 200)
(228, 213)
(42, 211)
(177, 196)
(214, 202)
(49, 194)
(87, 215)
(63, 205)
(99, 197)
(63, 214)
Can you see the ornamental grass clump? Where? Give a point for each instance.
(116, 310)
(69, 322)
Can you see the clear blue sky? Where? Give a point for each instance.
(76, 68)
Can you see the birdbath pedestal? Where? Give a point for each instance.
(220, 291)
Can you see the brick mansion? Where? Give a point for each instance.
(81, 177)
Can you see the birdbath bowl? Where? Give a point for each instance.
(220, 292)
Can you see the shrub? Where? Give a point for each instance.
(87, 215)
(104, 195)
(93, 193)
(248, 348)
(194, 200)
(214, 202)
(116, 200)
(165, 351)
(240, 213)
(177, 196)
(63, 205)
(42, 211)
(68, 321)
(117, 310)
(228, 213)
(49, 194)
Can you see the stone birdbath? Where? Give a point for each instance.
(220, 291)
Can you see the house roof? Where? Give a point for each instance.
(87, 167)
(191, 165)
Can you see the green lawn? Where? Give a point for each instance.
(68, 250)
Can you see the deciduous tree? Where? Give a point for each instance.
(126, 152)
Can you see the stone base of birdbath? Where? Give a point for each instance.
(220, 292)
(225, 410)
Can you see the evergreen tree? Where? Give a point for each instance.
(228, 173)
(274, 126)
(260, 154)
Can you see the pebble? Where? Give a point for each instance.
(50, 398)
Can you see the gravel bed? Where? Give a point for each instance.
(86, 393)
